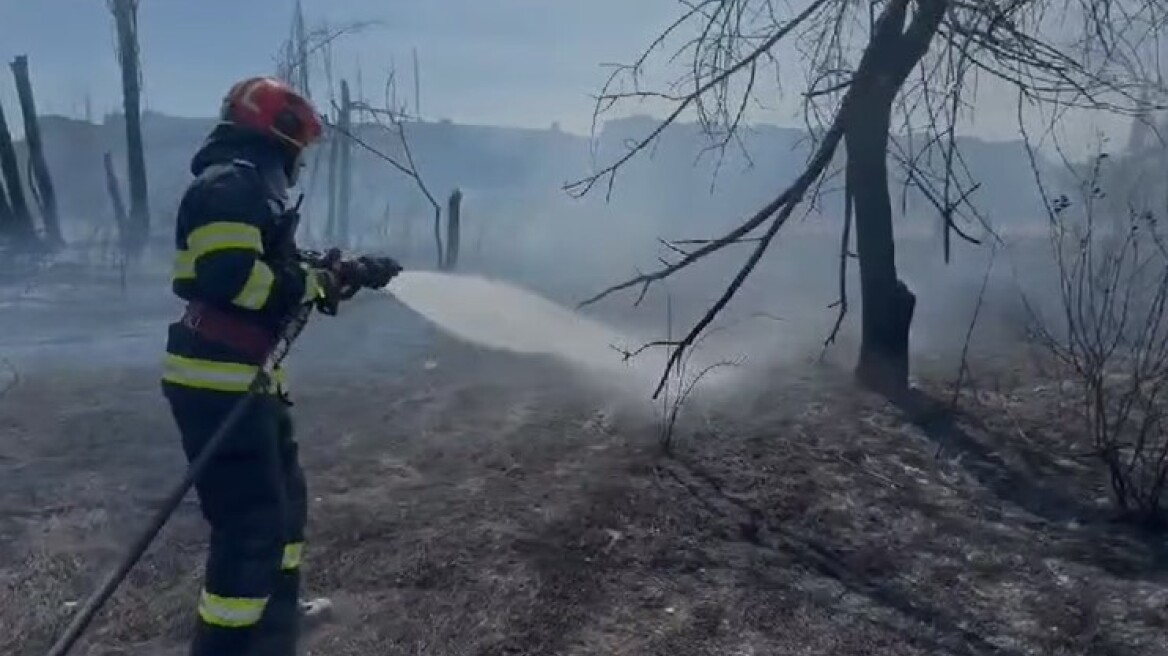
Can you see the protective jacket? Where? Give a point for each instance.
(235, 256)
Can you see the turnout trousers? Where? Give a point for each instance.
(254, 497)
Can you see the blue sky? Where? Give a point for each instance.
(503, 62)
(511, 62)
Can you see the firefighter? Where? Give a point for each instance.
(236, 267)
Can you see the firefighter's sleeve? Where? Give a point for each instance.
(226, 250)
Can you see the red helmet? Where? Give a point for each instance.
(267, 105)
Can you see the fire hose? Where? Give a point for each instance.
(259, 385)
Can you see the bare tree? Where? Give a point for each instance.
(295, 56)
(8, 225)
(333, 140)
(334, 149)
(39, 179)
(126, 21)
(453, 229)
(914, 64)
(393, 118)
(300, 49)
(22, 228)
(417, 82)
(125, 230)
(121, 216)
(294, 62)
(1110, 331)
(344, 189)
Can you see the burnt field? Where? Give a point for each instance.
(471, 502)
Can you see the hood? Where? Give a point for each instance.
(227, 143)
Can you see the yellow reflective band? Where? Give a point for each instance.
(293, 553)
(231, 612)
(212, 375)
(258, 287)
(312, 288)
(184, 266)
(223, 235)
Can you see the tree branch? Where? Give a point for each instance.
(583, 186)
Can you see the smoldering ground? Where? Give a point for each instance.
(469, 500)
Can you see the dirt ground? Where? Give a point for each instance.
(467, 502)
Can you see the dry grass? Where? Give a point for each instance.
(490, 506)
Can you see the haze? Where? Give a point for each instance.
(526, 63)
(976, 467)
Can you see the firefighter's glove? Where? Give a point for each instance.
(340, 278)
(330, 291)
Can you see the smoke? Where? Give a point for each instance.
(518, 225)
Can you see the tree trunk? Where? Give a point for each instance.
(22, 226)
(7, 218)
(417, 85)
(386, 225)
(121, 220)
(41, 182)
(439, 258)
(344, 167)
(300, 50)
(330, 226)
(453, 229)
(126, 18)
(887, 304)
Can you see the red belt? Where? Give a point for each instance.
(229, 330)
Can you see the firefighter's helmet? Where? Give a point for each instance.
(269, 106)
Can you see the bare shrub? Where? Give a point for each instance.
(1111, 334)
